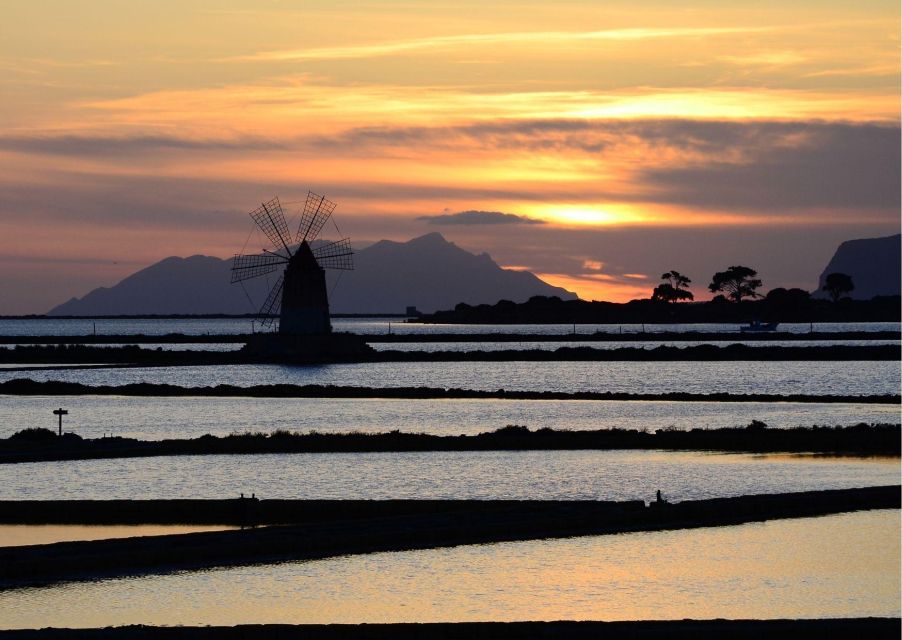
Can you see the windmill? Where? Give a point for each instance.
(298, 298)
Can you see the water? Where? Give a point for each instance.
(846, 378)
(835, 566)
(17, 535)
(521, 475)
(376, 326)
(843, 565)
(153, 418)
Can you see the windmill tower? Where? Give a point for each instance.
(298, 298)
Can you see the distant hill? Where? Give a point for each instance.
(873, 263)
(427, 272)
(431, 273)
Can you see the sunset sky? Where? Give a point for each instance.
(626, 138)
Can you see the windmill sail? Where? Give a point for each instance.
(271, 307)
(317, 211)
(245, 267)
(271, 220)
(335, 255)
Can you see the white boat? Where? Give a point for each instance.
(755, 325)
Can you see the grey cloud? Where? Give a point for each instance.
(479, 217)
(835, 166)
(589, 135)
(755, 167)
(751, 166)
(574, 134)
(104, 146)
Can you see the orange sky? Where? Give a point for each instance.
(133, 131)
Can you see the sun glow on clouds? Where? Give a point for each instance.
(596, 286)
(593, 217)
(588, 116)
(532, 38)
(278, 109)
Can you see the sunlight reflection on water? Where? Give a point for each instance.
(805, 377)
(833, 566)
(152, 418)
(566, 475)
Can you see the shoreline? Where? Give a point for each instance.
(799, 629)
(663, 336)
(133, 355)
(28, 387)
(322, 529)
(861, 440)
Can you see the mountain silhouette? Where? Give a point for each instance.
(873, 264)
(428, 272)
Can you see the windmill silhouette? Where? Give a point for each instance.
(298, 298)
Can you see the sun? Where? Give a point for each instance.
(583, 216)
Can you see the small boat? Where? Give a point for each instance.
(755, 325)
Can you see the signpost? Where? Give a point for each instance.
(60, 412)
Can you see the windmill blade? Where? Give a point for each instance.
(316, 211)
(271, 220)
(270, 309)
(245, 267)
(335, 255)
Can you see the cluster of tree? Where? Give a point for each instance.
(673, 289)
(838, 284)
(779, 305)
(740, 282)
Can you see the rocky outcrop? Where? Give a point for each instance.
(873, 263)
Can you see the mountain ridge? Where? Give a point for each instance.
(428, 272)
(873, 264)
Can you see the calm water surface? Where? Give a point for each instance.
(377, 326)
(835, 566)
(17, 535)
(853, 377)
(523, 475)
(161, 418)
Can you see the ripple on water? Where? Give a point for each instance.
(834, 566)
(526, 475)
(782, 378)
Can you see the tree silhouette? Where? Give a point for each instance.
(737, 282)
(837, 284)
(782, 302)
(673, 288)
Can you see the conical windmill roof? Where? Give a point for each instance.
(303, 258)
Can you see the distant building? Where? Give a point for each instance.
(413, 312)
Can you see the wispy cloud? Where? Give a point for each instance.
(479, 217)
(59, 63)
(284, 106)
(107, 145)
(528, 37)
(766, 58)
(890, 70)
